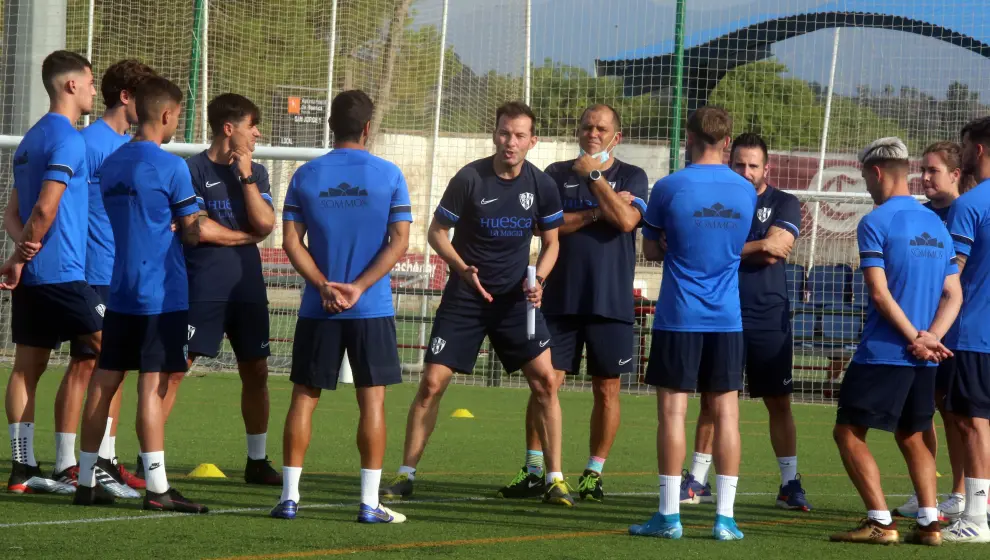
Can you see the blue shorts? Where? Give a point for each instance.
(372, 351)
(145, 343)
(609, 343)
(85, 351)
(246, 326)
(968, 387)
(457, 334)
(45, 315)
(887, 397)
(709, 362)
(769, 361)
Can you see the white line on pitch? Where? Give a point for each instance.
(335, 505)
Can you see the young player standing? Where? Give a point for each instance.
(494, 205)
(704, 211)
(588, 300)
(967, 398)
(354, 208)
(51, 301)
(913, 281)
(227, 291)
(766, 315)
(145, 189)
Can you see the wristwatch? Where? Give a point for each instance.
(542, 281)
(595, 175)
(249, 180)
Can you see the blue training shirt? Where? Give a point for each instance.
(910, 243)
(493, 221)
(225, 273)
(594, 272)
(144, 189)
(101, 141)
(347, 199)
(763, 287)
(706, 212)
(969, 224)
(53, 150)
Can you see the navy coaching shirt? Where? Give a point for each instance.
(53, 150)
(493, 221)
(225, 273)
(347, 199)
(913, 247)
(942, 213)
(144, 189)
(101, 141)
(763, 288)
(594, 271)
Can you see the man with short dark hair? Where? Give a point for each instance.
(768, 343)
(51, 301)
(227, 293)
(494, 205)
(967, 400)
(702, 212)
(588, 301)
(910, 271)
(145, 189)
(354, 210)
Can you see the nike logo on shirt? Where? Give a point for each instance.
(213, 184)
(483, 201)
(624, 362)
(544, 343)
(571, 186)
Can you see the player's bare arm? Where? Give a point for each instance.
(961, 262)
(613, 208)
(775, 246)
(549, 249)
(260, 214)
(574, 221)
(293, 234)
(887, 306)
(14, 227)
(949, 305)
(439, 239)
(43, 214)
(214, 233)
(652, 250)
(189, 229)
(384, 261)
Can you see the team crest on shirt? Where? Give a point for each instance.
(190, 332)
(763, 214)
(437, 344)
(101, 309)
(526, 200)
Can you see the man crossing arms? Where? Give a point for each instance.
(354, 208)
(768, 352)
(588, 300)
(494, 205)
(704, 211)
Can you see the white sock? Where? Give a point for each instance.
(700, 465)
(553, 476)
(113, 447)
(290, 484)
(65, 451)
(670, 494)
(726, 494)
(788, 469)
(87, 469)
(256, 444)
(370, 479)
(22, 443)
(927, 516)
(880, 516)
(976, 500)
(154, 471)
(409, 471)
(105, 442)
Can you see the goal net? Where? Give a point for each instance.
(818, 79)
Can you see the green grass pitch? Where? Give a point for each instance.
(453, 513)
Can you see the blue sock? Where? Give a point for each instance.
(596, 464)
(534, 462)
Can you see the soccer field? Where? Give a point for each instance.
(453, 512)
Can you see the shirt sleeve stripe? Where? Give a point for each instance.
(954, 259)
(962, 239)
(787, 225)
(448, 214)
(651, 226)
(183, 203)
(291, 208)
(60, 167)
(552, 217)
(639, 203)
(266, 196)
(400, 209)
(870, 255)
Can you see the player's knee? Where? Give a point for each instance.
(430, 389)
(778, 406)
(606, 391)
(844, 435)
(543, 386)
(254, 376)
